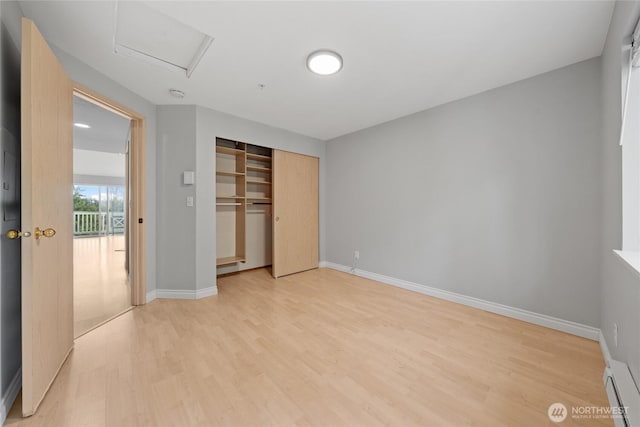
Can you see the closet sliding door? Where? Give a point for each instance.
(295, 213)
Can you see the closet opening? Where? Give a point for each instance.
(243, 206)
(267, 209)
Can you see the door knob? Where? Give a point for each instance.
(47, 232)
(14, 234)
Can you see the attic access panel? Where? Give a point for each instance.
(146, 34)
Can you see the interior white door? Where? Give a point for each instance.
(47, 188)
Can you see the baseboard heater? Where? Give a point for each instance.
(623, 394)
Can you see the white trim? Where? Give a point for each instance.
(605, 349)
(322, 264)
(186, 294)
(625, 393)
(10, 396)
(631, 260)
(207, 292)
(126, 51)
(151, 295)
(175, 294)
(567, 326)
(204, 45)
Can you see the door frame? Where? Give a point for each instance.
(138, 255)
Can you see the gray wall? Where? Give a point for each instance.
(177, 222)
(620, 298)
(93, 79)
(10, 293)
(495, 196)
(186, 135)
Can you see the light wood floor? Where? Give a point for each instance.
(100, 289)
(319, 348)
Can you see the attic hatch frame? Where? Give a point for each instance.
(137, 205)
(124, 50)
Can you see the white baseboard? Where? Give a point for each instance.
(185, 294)
(10, 395)
(151, 295)
(322, 264)
(567, 326)
(605, 348)
(207, 292)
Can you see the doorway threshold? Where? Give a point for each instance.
(105, 321)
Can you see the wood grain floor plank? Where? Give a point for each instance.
(319, 348)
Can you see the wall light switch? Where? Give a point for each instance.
(190, 201)
(189, 177)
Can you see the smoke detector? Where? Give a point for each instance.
(176, 93)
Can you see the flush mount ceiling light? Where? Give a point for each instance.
(324, 62)
(81, 125)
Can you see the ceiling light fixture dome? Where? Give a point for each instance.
(324, 62)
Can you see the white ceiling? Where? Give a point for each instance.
(399, 57)
(108, 133)
(98, 163)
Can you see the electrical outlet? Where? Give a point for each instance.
(615, 335)
(356, 255)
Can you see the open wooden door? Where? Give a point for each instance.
(295, 213)
(47, 188)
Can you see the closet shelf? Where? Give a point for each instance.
(228, 204)
(227, 150)
(251, 181)
(223, 173)
(259, 199)
(230, 197)
(229, 260)
(258, 157)
(258, 169)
